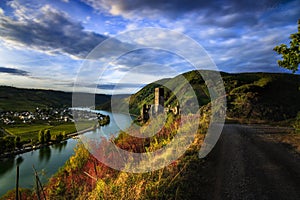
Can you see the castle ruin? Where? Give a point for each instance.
(159, 100)
(158, 107)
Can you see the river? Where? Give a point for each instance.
(49, 159)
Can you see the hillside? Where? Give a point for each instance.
(265, 96)
(259, 96)
(17, 99)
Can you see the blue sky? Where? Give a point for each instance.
(44, 44)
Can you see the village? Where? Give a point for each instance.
(30, 130)
(39, 115)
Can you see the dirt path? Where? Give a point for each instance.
(244, 166)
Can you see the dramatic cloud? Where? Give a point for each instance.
(177, 8)
(143, 56)
(48, 30)
(49, 39)
(13, 71)
(239, 35)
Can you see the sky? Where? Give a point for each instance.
(47, 43)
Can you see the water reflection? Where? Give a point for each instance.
(6, 165)
(60, 146)
(45, 154)
(19, 160)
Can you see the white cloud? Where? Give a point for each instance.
(1, 12)
(238, 37)
(47, 30)
(38, 83)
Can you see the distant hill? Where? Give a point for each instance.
(17, 99)
(261, 96)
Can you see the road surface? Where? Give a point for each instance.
(244, 166)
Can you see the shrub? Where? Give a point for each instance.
(41, 137)
(59, 137)
(296, 124)
(47, 135)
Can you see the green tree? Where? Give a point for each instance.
(18, 142)
(10, 143)
(2, 145)
(59, 137)
(41, 137)
(47, 135)
(290, 55)
(64, 135)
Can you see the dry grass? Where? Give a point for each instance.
(293, 140)
(281, 135)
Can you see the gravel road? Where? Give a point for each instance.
(244, 166)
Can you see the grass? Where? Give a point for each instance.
(112, 184)
(27, 132)
(68, 128)
(30, 131)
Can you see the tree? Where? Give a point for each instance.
(64, 135)
(9, 143)
(47, 135)
(2, 145)
(59, 137)
(42, 137)
(290, 55)
(18, 143)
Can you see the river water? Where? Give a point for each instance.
(49, 159)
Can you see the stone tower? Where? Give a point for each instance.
(159, 100)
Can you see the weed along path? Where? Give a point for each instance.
(49, 159)
(245, 166)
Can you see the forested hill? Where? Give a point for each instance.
(17, 99)
(265, 96)
(261, 96)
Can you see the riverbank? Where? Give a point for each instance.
(49, 160)
(39, 146)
